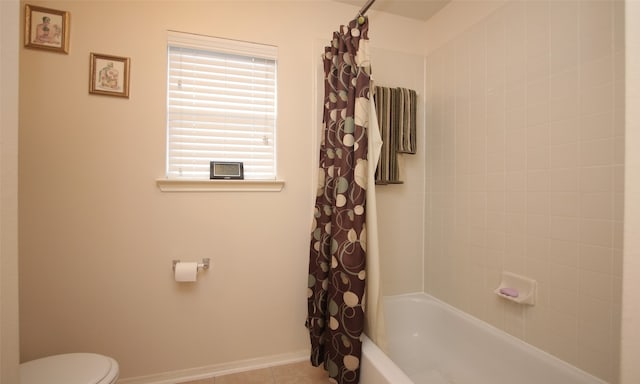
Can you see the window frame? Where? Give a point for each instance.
(173, 183)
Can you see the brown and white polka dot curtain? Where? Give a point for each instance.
(338, 239)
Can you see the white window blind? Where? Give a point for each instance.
(221, 105)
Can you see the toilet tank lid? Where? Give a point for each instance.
(71, 368)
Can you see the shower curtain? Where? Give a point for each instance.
(337, 257)
(374, 319)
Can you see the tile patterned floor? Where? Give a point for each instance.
(296, 373)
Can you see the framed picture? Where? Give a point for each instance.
(109, 75)
(46, 28)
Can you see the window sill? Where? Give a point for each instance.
(191, 185)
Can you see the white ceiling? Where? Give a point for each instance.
(415, 9)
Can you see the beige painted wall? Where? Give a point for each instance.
(97, 236)
(9, 32)
(525, 172)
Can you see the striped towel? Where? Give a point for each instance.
(396, 112)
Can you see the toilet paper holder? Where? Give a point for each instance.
(203, 265)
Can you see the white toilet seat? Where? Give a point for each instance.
(71, 368)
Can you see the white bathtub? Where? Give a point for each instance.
(431, 342)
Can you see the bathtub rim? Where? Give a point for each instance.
(382, 363)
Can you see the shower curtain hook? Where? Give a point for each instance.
(361, 19)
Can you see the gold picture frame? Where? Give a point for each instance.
(109, 75)
(46, 28)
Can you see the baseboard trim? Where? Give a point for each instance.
(209, 371)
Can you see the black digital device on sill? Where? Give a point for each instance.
(226, 170)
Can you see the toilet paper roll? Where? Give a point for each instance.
(186, 271)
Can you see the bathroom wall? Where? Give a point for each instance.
(525, 172)
(97, 237)
(9, 28)
(402, 205)
(630, 371)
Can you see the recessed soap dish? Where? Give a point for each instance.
(516, 288)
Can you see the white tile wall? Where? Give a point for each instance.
(630, 370)
(525, 157)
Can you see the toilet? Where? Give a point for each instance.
(71, 368)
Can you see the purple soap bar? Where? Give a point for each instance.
(511, 292)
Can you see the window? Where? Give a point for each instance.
(221, 105)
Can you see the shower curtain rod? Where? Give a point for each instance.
(364, 9)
